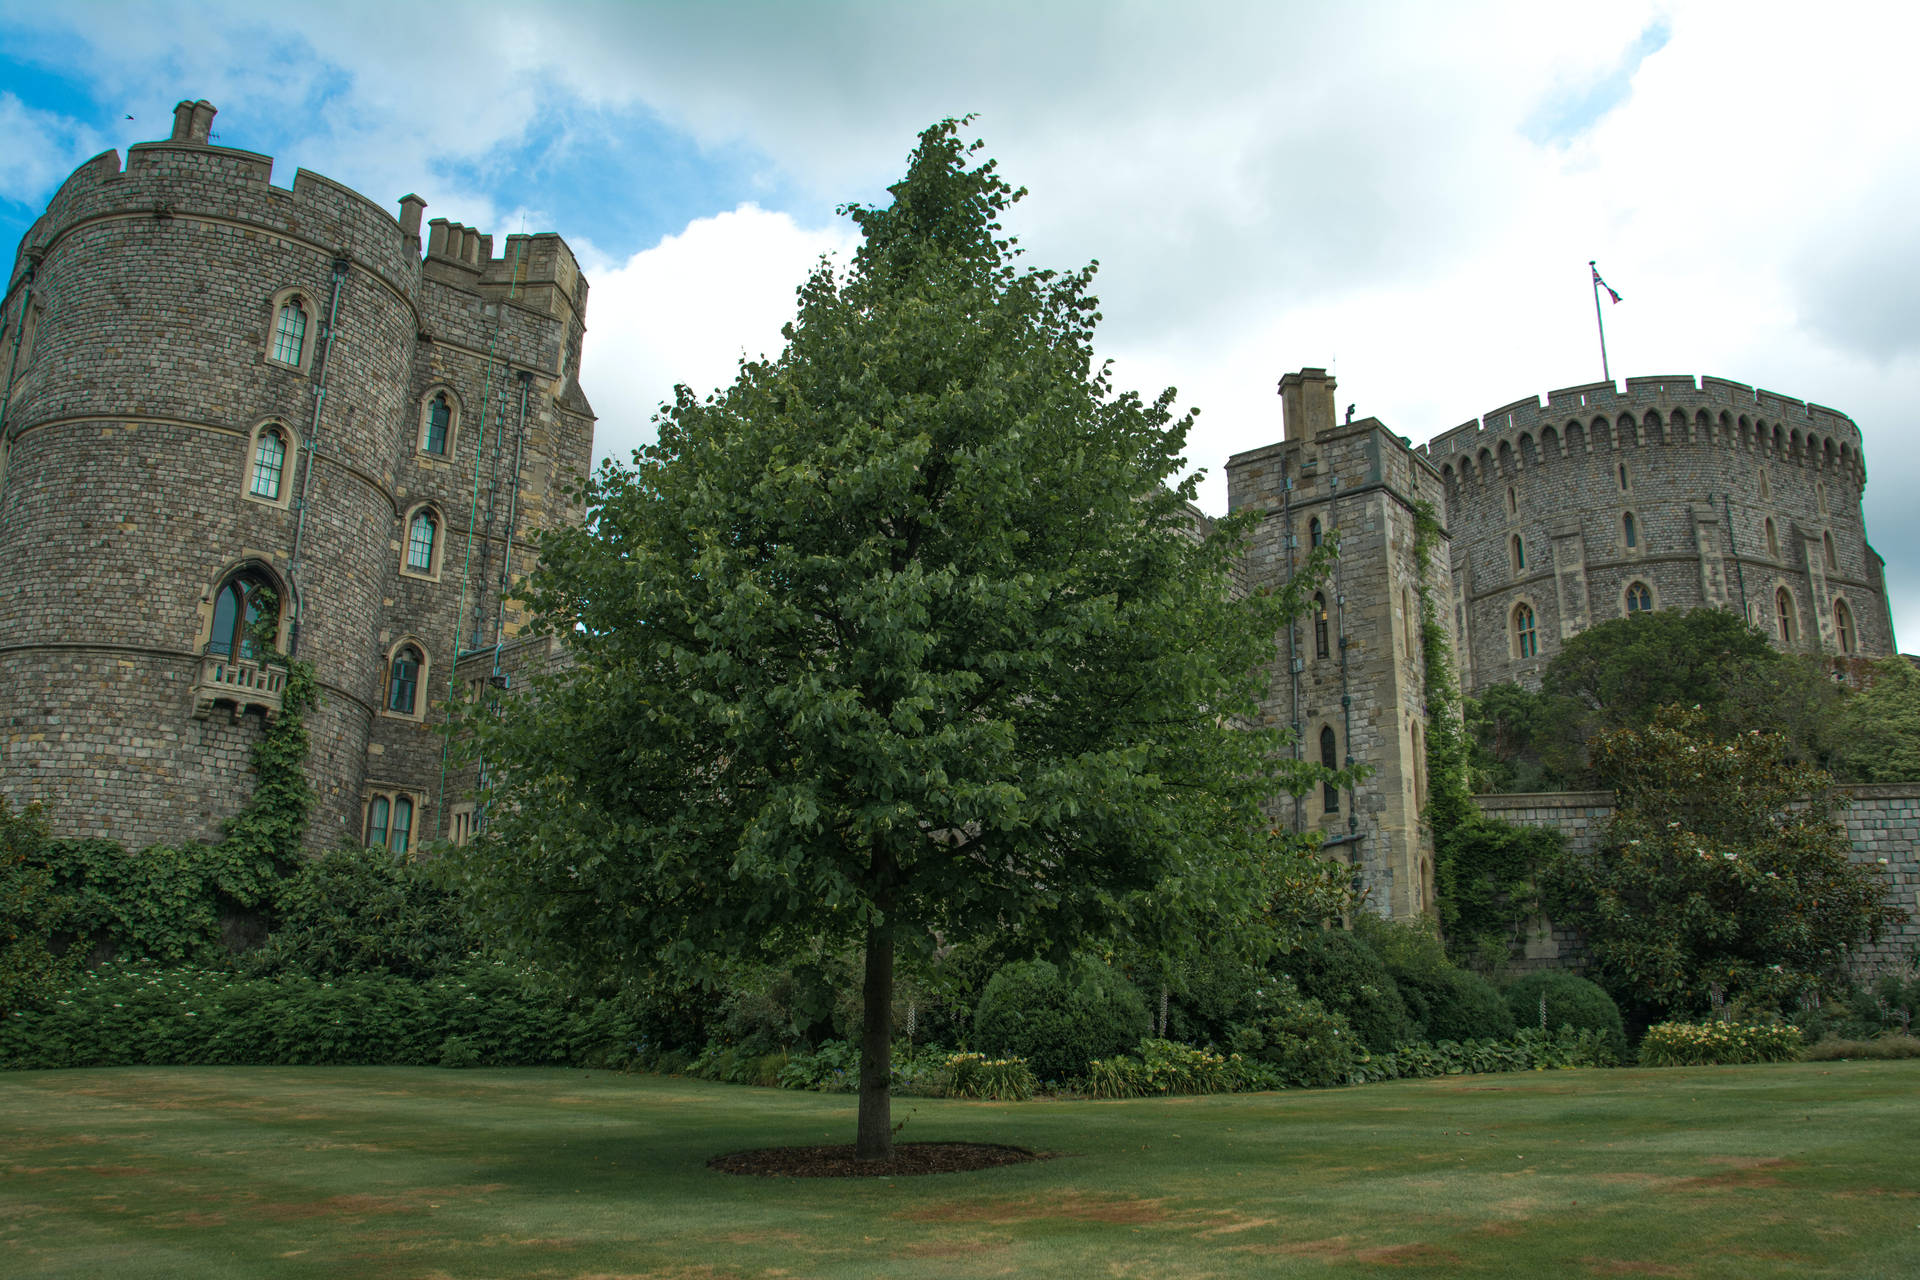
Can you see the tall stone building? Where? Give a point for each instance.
(237, 413)
(1350, 678)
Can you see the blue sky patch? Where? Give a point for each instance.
(1569, 112)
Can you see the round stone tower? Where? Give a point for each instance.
(1670, 494)
(216, 444)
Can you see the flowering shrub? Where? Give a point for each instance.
(975, 1075)
(1164, 1068)
(1699, 1044)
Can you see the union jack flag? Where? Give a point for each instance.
(1602, 283)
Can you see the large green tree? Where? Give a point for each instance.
(906, 637)
(1724, 874)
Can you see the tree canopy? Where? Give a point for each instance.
(908, 636)
(1620, 673)
(1724, 874)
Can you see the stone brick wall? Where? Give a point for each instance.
(1703, 468)
(1883, 823)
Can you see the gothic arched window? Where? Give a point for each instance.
(1639, 598)
(246, 617)
(439, 418)
(1843, 626)
(290, 332)
(421, 533)
(1526, 638)
(269, 464)
(403, 681)
(1321, 646)
(1517, 552)
(1784, 611)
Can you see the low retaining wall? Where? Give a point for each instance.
(1882, 819)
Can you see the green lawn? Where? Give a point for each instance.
(1796, 1170)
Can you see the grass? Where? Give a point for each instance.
(1804, 1169)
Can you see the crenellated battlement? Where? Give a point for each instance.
(187, 176)
(1650, 410)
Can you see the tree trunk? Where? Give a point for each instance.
(874, 1140)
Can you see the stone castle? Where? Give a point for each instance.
(238, 415)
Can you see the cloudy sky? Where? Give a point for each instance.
(1407, 193)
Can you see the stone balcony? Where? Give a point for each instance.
(241, 683)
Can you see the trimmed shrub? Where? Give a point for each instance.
(1709, 1044)
(1058, 1018)
(1348, 978)
(1554, 998)
(483, 1014)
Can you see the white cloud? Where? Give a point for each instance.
(1266, 185)
(688, 310)
(42, 148)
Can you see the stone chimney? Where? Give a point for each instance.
(193, 121)
(411, 207)
(1306, 404)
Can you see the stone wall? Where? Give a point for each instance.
(1882, 820)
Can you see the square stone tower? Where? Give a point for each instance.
(1350, 679)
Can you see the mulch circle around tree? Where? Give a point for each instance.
(909, 1159)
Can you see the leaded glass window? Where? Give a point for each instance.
(403, 680)
(402, 824)
(290, 333)
(377, 813)
(1639, 598)
(269, 461)
(1526, 640)
(439, 414)
(420, 543)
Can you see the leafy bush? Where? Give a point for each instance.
(1305, 1045)
(832, 1068)
(1348, 978)
(32, 912)
(1486, 871)
(1526, 1050)
(1554, 998)
(492, 1014)
(1058, 1018)
(1698, 1044)
(1444, 1001)
(1880, 1047)
(974, 1075)
(1162, 1068)
(364, 911)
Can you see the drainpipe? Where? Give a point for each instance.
(309, 448)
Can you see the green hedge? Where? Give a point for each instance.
(483, 1014)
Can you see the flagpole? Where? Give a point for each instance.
(1593, 270)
